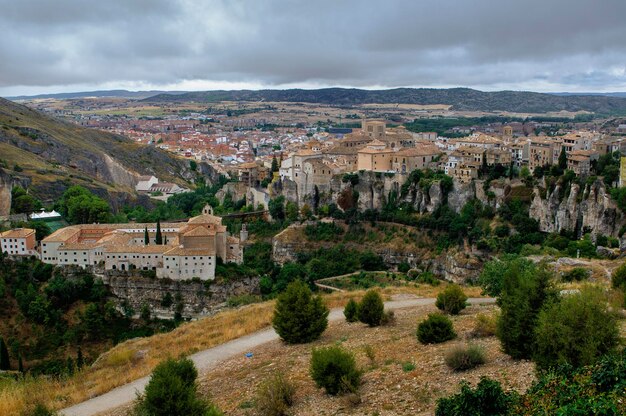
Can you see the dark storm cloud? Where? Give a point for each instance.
(532, 44)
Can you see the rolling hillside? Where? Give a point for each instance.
(51, 155)
(459, 98)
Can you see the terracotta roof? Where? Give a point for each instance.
(181, 251)
(199, 232)
(205, 219)
(149, 249)
(17, 233)
(61, 235)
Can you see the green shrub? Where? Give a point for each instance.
(461, 358)
(299, 317)
(485, 326)
(618, 277)
(435, 329)
(575, 330)
(404, 267)
(452, 300)
(576, 275)
(487, 399)
(39, 410)
(351, 311)
(428, 278)
(172, 390)
(371, 308)
(275, 396)
(334, 369)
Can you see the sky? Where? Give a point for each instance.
(537, 45)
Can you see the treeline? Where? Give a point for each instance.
(47, 316)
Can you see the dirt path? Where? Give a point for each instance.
(210, 358)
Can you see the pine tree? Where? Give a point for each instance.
(299, 317)
(158, 239)
(146, 236)
(5, 364)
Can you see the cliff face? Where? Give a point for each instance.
(591, 207)
(197, 299)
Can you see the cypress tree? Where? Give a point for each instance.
(274, 164)
(80, 361)
(146, 236)
(158, 239)
(4, 356)
(20, 364)
(563, 159)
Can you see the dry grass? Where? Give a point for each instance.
(136, 358)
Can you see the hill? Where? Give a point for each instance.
(49, 155)
(463, 99)
(98, 94)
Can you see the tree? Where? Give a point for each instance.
(276, 208)
(274, 164)
(563, 159)
(292, 211)
(5, 364)
(575, 330)
(523, 296)
(172, 391)
(351, 311)
(451, 300)
(146, 236)
(80, 361)
(299, 317)
(494, 272)
(316, 199)
(371, 308)
(158, 239)
(20, 363)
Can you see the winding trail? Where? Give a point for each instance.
(210, 358)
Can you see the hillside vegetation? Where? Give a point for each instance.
(53, 154)
(464, 99)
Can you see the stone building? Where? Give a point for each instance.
(19, 242)
(189, 250)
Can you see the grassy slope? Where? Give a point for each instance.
(45, 153)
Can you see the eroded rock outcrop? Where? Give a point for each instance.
(591, 208)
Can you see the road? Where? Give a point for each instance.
(210, 358)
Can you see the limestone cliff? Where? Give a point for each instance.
(591, 208)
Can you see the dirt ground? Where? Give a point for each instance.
(391, 386)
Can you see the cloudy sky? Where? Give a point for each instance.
(540, 45)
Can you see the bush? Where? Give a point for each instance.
(461, 358)
(485, 326)
(275, 396)
(618, 278)
(575, 330)
(435, 329)
(335, 370)
(576, 275)
(389, 318)
(404, 267)
(351, 311)
(299, 317)
(487, 398)
(371, 308)
(40, 410)
(452, 300)
(172, 390)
